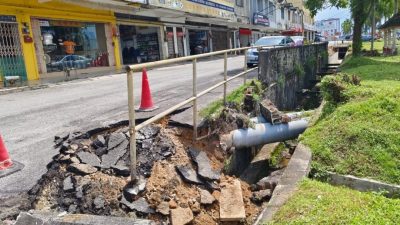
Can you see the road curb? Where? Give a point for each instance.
(298, 168)
(21, 89)
(363, 184)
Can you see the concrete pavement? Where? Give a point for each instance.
(29, 120)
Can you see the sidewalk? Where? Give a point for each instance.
(59, 77)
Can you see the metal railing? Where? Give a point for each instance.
(131, 103)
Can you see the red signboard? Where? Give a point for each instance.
(244, 31)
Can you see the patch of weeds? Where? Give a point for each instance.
(333, 86)
(235, 98)
(299, 70)
(324, 56)
(276, 155)
(309, 65)
(227, 164)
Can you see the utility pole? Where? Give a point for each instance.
(373, 25)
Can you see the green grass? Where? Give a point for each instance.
(361, 136)
(235, 97)
(374, 68)
(378, 45)
(321, 203)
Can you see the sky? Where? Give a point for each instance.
(328, 13)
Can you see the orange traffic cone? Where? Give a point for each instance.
(7, 166)
(5, 161)
(146, 104)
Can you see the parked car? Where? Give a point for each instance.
(298, 40)
(319, 38)
(348, 37)
(70, 61)
(269, 41)
(366, 37)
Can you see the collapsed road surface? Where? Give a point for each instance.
(29, 120)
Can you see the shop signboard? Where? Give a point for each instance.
(215, 8)
(137, 1)
(260, 19)
(4, 18)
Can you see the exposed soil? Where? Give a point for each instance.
(101, 191)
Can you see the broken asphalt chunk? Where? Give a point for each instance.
(121, 170)
(139, 205)
(82, 169)
(203, 165)
(99, 142)
(114, 155)
(188, 174)
(115, 139)
(89, 158)
(150, 131)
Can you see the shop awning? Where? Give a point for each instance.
(292, 31)
(244, 31)
(393, 22)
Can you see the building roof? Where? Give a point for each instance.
(392, 22)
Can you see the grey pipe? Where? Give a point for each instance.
(265, 133)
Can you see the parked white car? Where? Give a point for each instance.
(268, 41)
(298, 40)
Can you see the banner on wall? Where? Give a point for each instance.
(260, 19)
(214, 8)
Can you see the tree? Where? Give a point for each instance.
(360, 10)
(347, 25)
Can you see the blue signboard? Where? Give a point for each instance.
(213, 4)
(4, 18)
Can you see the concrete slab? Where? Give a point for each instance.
(181, 216)
(231, 206)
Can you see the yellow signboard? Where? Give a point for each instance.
(213, 8)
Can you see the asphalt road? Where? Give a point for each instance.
(29, 120)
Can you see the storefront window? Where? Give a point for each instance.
(139, 44)
(198, 41)
(73, 45)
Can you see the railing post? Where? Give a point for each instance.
(225, 75)
(245, 67)
(132, 132)
(195, 100)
